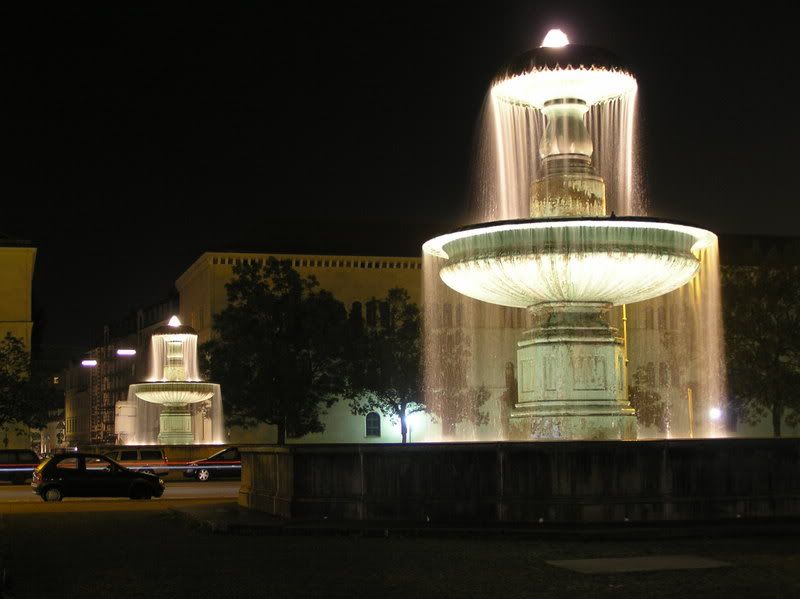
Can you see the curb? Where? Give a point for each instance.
(623, 532)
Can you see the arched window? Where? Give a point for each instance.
(373, 424)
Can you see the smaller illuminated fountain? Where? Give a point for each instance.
(174, 386)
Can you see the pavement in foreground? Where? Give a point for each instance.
(150, 549)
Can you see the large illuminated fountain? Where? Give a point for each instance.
(174, 390)
(570, 262)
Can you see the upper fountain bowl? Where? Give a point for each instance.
(520, 263)
(573, 71)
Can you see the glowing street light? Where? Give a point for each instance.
(126, 352)
(715, 413)
(89, 363)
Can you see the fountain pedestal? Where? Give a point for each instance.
(175, 425)
(572, 376)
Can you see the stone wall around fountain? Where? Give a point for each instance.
(541, 482)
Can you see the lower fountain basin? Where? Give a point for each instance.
(174, 393)
(614, 260)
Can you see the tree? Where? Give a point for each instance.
(385, 359)
(651, 408)
(25, 396)
(762, 337)
(278, 349)
(450, 397)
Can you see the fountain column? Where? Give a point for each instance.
(571, 365)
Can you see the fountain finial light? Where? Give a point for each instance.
(555, 38)
(174, 322)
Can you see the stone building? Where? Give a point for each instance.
(350, 279)
(17, 259)
(93, 392)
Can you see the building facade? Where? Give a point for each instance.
(17, 260)
(94, 392)
(350, 279)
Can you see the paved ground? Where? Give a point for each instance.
(174, 490)
(126, 549)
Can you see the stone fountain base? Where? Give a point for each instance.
(535, 482)
(175, 425)
(572, 377)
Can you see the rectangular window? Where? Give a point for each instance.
(648, 318)
(447, 315)
(371, 313)
(151, 454)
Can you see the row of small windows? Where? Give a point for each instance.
(449, 315)
(323, 263)
(666, 375)
(665, 318)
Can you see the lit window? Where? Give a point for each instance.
(373, 424)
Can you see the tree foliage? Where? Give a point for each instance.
(385, 359)
(451, 398)
(278, 349)
(25, 395)
(762, 327)
(651, 407)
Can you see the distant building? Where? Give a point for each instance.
(17, 259)
(93, 392)
(350, 279)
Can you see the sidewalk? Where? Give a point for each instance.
(229, 517)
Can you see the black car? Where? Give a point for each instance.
(16, 465)
(223, 464)
(91, 475)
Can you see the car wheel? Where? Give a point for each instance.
(203, 475)
(52, 494)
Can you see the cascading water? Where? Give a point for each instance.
(485, 335)
(174, 405)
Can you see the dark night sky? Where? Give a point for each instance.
(136, 140)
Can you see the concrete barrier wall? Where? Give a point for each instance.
(582, 481)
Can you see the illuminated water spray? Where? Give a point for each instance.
(175, 406)
(558, 251)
